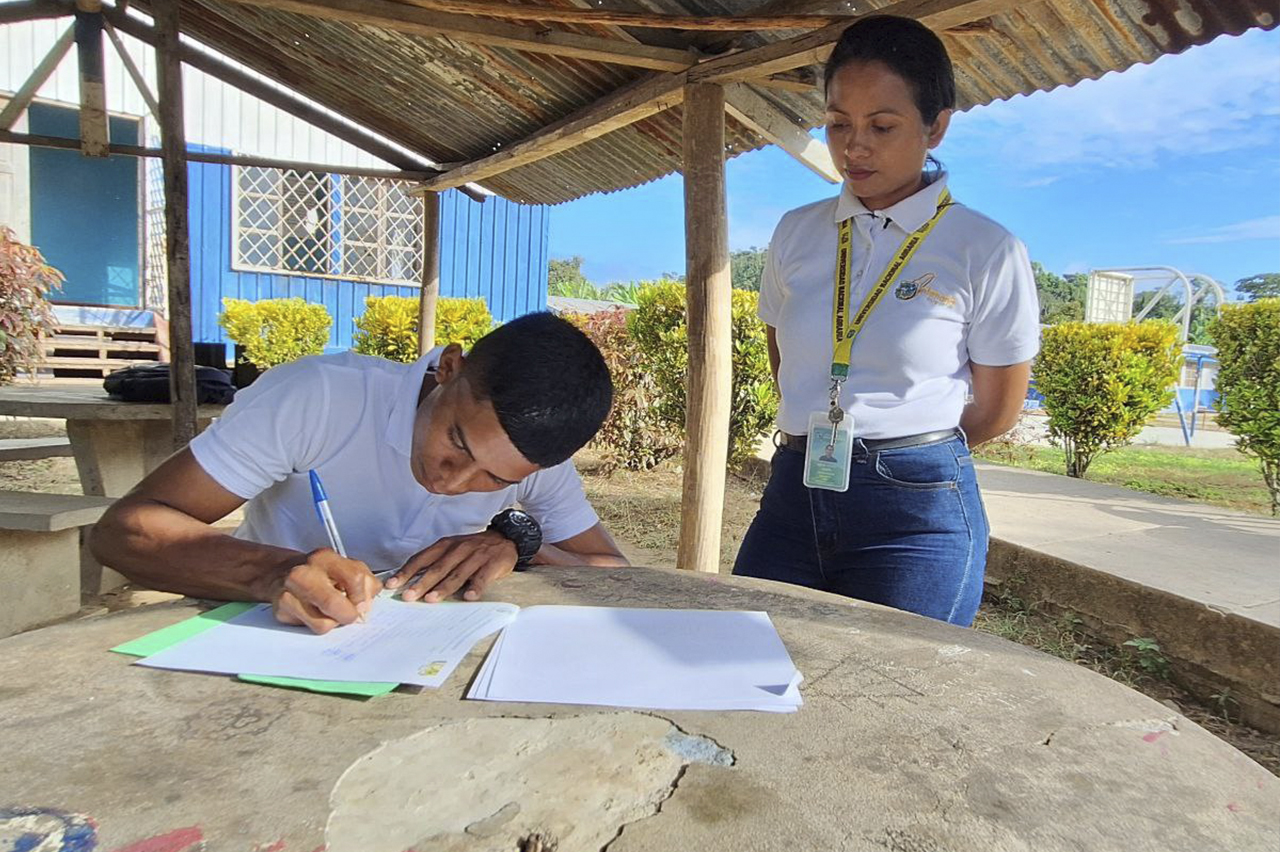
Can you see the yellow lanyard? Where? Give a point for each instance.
(844, 331)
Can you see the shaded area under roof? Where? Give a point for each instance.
(456, 101)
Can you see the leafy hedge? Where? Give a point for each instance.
(660, 330)
(25, 283)
(1103, 381)
(276, 331)
(1248, 341)
(388, 327)
(634, 436)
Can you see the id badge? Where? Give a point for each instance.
(826, 462)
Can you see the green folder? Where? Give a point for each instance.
(167, 637)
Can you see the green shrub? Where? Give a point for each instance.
(276, 331)
(1248, 341)
(659, 329)
(1103, 381)
(634, 437)
(388, 328)
(25, 283)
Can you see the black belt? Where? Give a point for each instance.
(799, 442)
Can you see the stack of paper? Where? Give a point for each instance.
(400, 642)
(660, 659)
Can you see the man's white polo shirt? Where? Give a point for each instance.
(967, 294)
(350, 418)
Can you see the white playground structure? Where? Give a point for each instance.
(1109, 298)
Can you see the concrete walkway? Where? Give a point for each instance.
(1201, 581)
(1226, 560)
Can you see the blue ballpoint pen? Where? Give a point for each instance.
(326, 516)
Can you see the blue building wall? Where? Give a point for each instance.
(496, 250)
(85, 211)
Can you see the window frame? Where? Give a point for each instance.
(335, 234)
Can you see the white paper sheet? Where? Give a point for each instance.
(401, 642)
(652, 658)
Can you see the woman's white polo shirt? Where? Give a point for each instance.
(350, 418)
(967, 294)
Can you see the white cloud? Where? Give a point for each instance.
(1212, 99)
(1262, 228)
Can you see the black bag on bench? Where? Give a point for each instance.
(150, 383)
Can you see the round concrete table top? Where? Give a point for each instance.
(914, 735)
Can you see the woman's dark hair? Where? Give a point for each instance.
(548, 384)
(910, 49)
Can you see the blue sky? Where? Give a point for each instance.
(1176, 163)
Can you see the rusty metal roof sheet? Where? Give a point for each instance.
(456, 101)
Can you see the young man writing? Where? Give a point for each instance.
(422, 463)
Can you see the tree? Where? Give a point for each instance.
(565, 278)
(1265, 285)
(1168, 309)
(746, 266)
(1061, 299)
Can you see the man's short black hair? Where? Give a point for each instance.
(548, 384)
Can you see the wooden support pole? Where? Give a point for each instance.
(173, 146)
(95, 131)
(27, 91)
(708, 288)
(430, 293)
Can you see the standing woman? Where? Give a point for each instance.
(885, 307)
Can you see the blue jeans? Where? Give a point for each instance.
(909, 533)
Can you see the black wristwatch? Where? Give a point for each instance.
(522, 530)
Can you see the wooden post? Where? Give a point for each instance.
(182, 374)
(430, 293)
(707, 284)
(95, 133)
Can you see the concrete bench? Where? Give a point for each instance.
(26, 449)
(41, 555)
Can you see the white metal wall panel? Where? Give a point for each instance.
(218, 115)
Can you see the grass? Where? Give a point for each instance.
(1220, 477)
(1137, 667)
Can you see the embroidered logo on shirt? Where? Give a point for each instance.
(908, 290)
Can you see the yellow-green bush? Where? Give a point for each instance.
(1103, 381)
(634, 436)
(1248, 384)
(276, 331)
(659, 329)
(388, 328)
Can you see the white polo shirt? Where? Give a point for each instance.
(350, 418)
(967, 294)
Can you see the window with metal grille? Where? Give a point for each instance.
(360, 228)
(284, 221)
(381, 231)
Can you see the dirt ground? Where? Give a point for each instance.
(642, 510)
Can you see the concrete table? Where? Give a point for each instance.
(115, 443)
(914, 736)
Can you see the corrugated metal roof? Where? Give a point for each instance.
(456, 101)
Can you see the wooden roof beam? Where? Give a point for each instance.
(757, 113)
(34, 10)
(644, 20)
(624, 107)
(225, 71)
(412, 20)
(628, 105)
